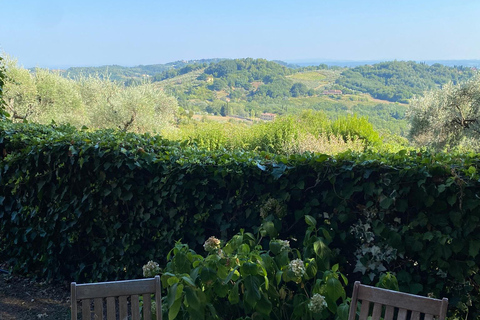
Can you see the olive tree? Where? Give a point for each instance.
(3, 113)
(139, 108)
(19, 91)
(449, 117)
(41, 96)
(44, 96)
(58, 99)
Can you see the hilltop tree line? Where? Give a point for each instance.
(399, 81)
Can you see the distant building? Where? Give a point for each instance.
(332, 92)
(268, 116)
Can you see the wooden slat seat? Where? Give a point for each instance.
(116, 299)
(379, 303)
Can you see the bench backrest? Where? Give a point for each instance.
(388, 305)
(116, 299)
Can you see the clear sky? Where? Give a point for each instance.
(53, 33)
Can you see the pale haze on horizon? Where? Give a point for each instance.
(92, 33)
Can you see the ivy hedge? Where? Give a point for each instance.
(88, 206)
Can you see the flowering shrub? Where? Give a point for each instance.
(211, 244)
(151, 269)
(240, 279)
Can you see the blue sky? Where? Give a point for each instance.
(90, 33)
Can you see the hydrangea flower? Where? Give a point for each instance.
(151, 269)
(297, 267)
(285, 244)
(211, 244)
(317, 303)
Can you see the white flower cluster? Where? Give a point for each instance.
(297, 267)
(151, 269)
(285, 244)
(211, 244)
(317, 303)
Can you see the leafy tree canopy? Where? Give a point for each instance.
(449, 117)
(399, 81)
(3, 113)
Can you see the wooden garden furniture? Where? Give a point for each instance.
(379, 303)
(94, 297)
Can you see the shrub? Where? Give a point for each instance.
(242, 279)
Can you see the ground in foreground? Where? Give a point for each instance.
(24, 299)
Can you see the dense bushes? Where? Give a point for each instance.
(99, 205)
(309, 132)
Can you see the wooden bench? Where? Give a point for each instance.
(105, 296)
(388, 305)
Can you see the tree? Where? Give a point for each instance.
(97, 102)
(449, 117)
(298, 89)
(3, 113)
(141, 108)
(41, 96)
(219, 84)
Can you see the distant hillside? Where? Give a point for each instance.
(248, 87)
(399, 81)
(128, 74)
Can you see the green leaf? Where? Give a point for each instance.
(342, 311)
(321, 249)
(264, 306)
(171, 295)
(334, 289)
(474, 248)
(252, 290)
(310, 220)
(269, 226)
(386, 203)
(249, 268)
(172, 280)
(452, 199)
(229, 276)
(174, 309)
(233, 296)
(188, 280)
(192, 298)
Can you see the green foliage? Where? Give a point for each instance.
(448, 117)
(298, 89)
(81, 205)
(241, 278)
(137, 74)
(3, 113)
(309, 132)
(401, 80)
(263, 86)
(43, 96)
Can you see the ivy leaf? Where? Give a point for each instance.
(474, 248)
